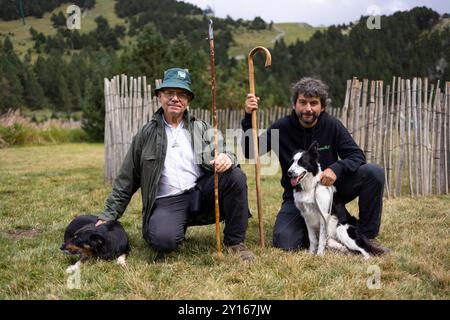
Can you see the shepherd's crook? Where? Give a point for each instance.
(251, 78)
(216, 176)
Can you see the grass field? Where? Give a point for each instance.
(43, 188)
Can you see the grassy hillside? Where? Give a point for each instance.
(43, 188)
(290, 32)
(297, 31)
(20, 35)
(245, 39)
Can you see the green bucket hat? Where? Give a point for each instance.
(176, 78)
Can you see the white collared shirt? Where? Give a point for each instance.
(180, 172)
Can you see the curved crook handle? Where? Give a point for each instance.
(251, 71)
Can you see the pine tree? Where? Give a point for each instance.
(93, 122)
(149, 55)
(10, 67)
(33, 93)
(58, 20)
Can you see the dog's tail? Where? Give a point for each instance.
(344, 238)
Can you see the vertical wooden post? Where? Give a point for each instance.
(426, 135)
(408, 136)
(106, 132)
(363, 121)
(145, 101)
(385, 150)
(138, 113)
(374, 124)
(415, 123)
(391, 167)
(380, 123)
(346, 103)
(446, 135)
(401, 137)
(370, 112)
(432, 139)
(437, 153)
(420, 124)
(356, 106)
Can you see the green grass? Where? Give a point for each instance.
(43, 187)
(245, 40)
(20, 35)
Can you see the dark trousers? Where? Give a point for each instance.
(367, 183)
(170, 215)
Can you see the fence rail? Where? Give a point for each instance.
(404, 127)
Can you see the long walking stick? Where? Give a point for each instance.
(251, 78)
(216, 176)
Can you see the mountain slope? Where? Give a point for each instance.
(20, 35)
(246, 39)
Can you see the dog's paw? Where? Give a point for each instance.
(122, 260)
(73, 268)
(366, 256)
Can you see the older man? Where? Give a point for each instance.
(171, 160)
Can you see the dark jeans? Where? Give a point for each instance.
(367, 183)
(170, 215)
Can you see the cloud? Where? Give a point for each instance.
(314, 12)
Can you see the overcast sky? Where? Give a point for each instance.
(314, 12)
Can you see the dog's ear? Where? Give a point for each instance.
(313, 149)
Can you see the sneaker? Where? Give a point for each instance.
(245, 253)
(375, 247)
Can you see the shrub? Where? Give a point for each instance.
(20, 134)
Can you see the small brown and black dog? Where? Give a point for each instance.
(107, 241)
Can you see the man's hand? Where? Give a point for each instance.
(100, 222)
(328, 177)
(251, 103)
(223, 163)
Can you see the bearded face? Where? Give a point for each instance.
(308, 109)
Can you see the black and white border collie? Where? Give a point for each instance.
(320, 208)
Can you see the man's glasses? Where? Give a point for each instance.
(181, 95)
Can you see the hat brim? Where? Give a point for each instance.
(174, 84)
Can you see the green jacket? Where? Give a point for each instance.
(144, 162)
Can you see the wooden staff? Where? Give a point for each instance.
(216, 143)
(251, 78)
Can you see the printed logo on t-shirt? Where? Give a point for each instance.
(325, 147)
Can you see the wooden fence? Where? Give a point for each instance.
(404, 127)
(128, 106)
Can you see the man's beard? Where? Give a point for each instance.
(309, 121)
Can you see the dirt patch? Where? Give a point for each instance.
(22, 233)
